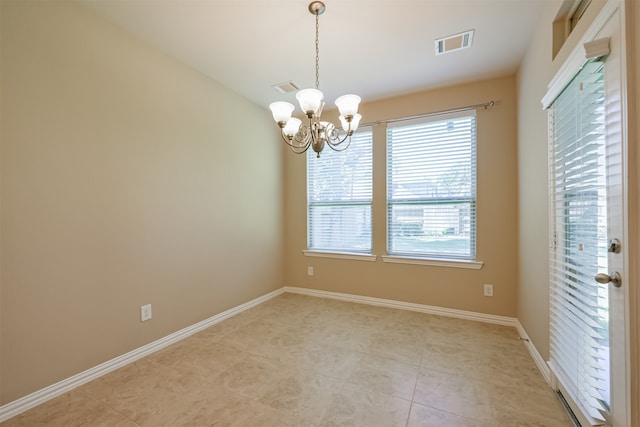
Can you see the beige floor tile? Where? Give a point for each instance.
(398, 346)
(345, 335)
(328, 360)
(195, 357)
(201, 405)
(150, 393)
(452, 393)
(71, 409)
(355, 407)
(385, 376)
(424, 416)
(256, 414)
(521, 420)
(306, 396)
(536, 405)
(253, 376)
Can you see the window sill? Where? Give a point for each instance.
(340, 255)
(453, 263)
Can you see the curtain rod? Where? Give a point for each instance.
(486, 106)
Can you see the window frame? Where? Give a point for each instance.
(438, 258)
(346, 251)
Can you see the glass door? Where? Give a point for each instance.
(587, 257)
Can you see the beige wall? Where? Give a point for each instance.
(533, 290)
(497, 213)
(122, 185)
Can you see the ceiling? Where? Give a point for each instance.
(376, 48)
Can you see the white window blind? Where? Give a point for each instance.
(431, 186)
(339, 194)
(579, 351)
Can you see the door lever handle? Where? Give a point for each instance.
(613, 277)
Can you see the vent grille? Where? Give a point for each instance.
(454, 42)
(285, 87)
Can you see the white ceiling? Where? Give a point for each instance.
(375, 48)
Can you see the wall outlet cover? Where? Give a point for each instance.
(145, 312)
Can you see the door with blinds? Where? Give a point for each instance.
(587, 254)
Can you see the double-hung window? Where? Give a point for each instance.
(339, 195)
(431, 187)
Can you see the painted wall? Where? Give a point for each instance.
(496, 224)
(122, 185)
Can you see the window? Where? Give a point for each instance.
(339, 194)
(570, 13)
(579, 9)
(431, 187)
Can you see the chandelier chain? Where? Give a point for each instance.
(317, 50)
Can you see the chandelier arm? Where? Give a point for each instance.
(337, 146)
(297, 151)
(302, 144)
(334, 139)
(306, 134)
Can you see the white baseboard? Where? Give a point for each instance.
(540, 362)
(25, 403)
(428, 309)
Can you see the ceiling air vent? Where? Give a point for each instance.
(285, 87)
(453, 43)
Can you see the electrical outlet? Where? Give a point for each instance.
(488, 290)
(310, 270)
(145, 313)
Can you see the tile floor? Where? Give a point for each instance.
(302, 361)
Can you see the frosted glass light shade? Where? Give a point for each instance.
(309, 99)
(281, 111)
(348, 104)
(292, 126)
(355, 121)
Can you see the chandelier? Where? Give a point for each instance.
(316, 133)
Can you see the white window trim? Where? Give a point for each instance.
(577, 58)
(437, 262)
(340, 255)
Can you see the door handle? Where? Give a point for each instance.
(613, 277)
